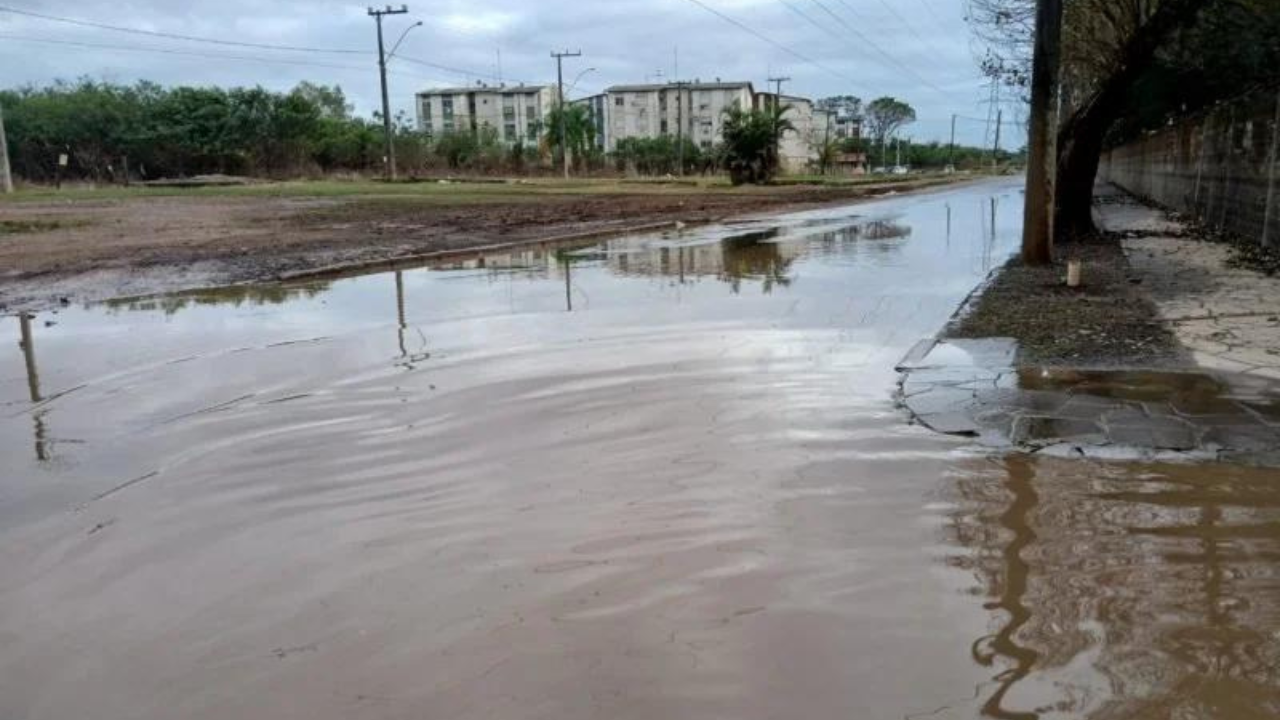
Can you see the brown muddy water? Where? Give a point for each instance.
(660, 477)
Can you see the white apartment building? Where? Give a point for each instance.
(696, 111)
(518, 113)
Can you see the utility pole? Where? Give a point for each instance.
(1037, 226)
(564, 136)
(777, 106)
(995, 148)
(6, 180)
(388, 146)
(951, 149)
(680, 92)
(826, 141)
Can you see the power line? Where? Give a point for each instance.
(174, 36)
(460, 71)
(889, 58)
(761, 36)
(193, 53)
(909, 27)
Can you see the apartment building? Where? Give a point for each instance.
(696, 111)
(798, 148)
(518, 113)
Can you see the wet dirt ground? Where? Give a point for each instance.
(661, 476)
(87, 248)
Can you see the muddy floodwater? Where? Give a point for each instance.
(659, 477)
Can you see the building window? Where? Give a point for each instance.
(532, 129)
(509, 131)
(619, 101)
(663, 125)
(446, 108)
(426, 111)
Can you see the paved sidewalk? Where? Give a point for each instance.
(1228, 318)
(1226, 408)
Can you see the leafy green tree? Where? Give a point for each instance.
(886, 116)
(578, 127)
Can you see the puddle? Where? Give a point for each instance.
(972, 388)
(659, 476)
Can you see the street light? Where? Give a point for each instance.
(402, 37)
(574, 84)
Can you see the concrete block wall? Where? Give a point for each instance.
(1219, 166)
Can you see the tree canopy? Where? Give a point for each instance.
(886, 116)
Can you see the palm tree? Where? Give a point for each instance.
(578, 126)
(751, 140)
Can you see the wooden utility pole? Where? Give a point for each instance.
(1037, 225)
(564, 135)
(6, 180)
(388, 146)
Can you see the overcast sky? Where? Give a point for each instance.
(917, 50)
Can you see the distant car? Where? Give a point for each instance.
(900, 170)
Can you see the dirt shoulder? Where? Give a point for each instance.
(87, 246)
(1111, 321)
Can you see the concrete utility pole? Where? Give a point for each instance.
(564, 135)
(6, 180)
(681, 87)
(826, 140)
(388, 146)
(1037, 227)
(995, 147)
(951, 149)
(777, 105)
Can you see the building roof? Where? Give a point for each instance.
(498, 89)
(672, 86)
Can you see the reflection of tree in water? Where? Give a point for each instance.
(1162, 580)
(235, 296)
(752, 256)
(749, 256)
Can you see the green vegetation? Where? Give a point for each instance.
(884, 118)
(662, 156)
(33, 226)
(751, 142)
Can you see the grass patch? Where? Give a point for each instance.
(17, 227)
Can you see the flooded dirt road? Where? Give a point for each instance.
(660, 477)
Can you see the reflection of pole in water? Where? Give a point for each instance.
(400, 323)
(29, 354)
(948, 225)
(993, 218)
(27, 344)
(568, 285)
(1017, 574)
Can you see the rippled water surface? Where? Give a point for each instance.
(659, 477)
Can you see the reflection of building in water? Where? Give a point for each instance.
(1124, 591)
(747, 256)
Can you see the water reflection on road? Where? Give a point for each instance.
(658, 476)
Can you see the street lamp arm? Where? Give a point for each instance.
(403, 35)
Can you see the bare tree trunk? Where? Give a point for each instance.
(1082, 136)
